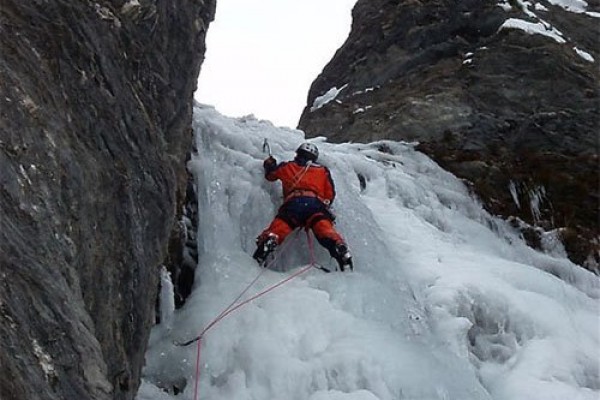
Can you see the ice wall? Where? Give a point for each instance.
(445, 302)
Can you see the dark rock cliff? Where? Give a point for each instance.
(505, 96)
(95, 105)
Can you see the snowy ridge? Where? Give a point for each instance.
(541, 27)
(446, 302)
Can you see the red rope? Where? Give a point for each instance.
(311, 247)
(197, 371)
(222, 314)
(217, 319)
(231, 308)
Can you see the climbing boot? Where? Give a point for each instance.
(265, 245)
(343, 257)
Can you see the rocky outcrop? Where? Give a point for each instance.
(504, 95)
(95, 105)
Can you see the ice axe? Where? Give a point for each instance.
(266, 147)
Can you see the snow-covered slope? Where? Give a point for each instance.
(445, 302)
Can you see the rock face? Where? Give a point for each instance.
(95, 105)
(504, 95)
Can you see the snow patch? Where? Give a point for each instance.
(584, 54)
(44, 360)
(329, 96)
(575, 6)
(506, 6)
(532, 28)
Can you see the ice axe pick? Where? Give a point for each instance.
(266, 147)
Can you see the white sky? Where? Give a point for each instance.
(262, 55)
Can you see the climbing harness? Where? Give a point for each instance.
(300, 175)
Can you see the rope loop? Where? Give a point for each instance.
(234, 305)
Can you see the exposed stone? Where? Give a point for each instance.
(95, 105)
(499, 107)
(182, 258)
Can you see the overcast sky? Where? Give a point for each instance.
(262, 55)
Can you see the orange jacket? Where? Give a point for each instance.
(298, 176)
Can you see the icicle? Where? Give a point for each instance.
(536, 197)
(513, 192)
(167, 299)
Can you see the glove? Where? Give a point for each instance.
(270, 162)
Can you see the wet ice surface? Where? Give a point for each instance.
(445, 301)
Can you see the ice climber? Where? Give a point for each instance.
(308, 192)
